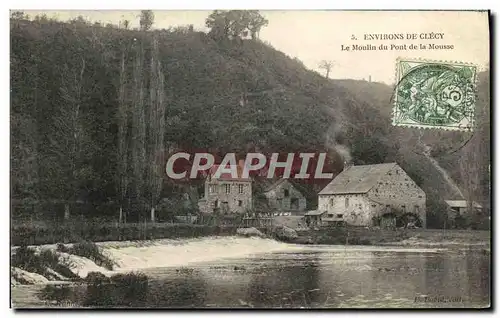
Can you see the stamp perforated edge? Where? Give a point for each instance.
(430, 127)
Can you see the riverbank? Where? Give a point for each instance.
(72, 232)
(260, 272)
(53, 262)
(70, 262)
(397, 237)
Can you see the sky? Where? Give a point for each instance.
(313, 36)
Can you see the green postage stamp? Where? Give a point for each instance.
(434, 95)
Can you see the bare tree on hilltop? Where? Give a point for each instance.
(327, 66)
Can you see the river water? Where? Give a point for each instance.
(312, 277)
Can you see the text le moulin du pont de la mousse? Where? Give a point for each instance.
(399, 42)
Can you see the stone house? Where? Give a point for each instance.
(226, 195)
(283, 196)
(373, 195)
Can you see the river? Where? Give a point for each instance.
(308, 277)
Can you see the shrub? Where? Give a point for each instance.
(62, 248)
(123, 290)
(29, 260)
(26, 258)
(96, 278)
(57, 293)
(91, 251)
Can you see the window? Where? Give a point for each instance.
(216, 203)
(346, 202)
(331, 201)
(340, 216)
(286, 193)
(240, 188)
(211, 188)
(374, 205)
(330, 215)
(280, 202)
(228, 188)
(240, 203)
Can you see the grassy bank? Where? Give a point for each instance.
(38, 234)
(351, 236)
(53, 264)
(47, 263)
(376, 236)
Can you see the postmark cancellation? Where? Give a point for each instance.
(434, 94)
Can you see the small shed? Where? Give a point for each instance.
(314, 217)
(461, 206)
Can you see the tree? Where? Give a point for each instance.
(66, 143)
(18, 15)
(138, 151)
(255, 23)
(41, 18)
(218, 23)
(123, 109)
(126, 24)
(156, 130)
(79, 20)
(147, 18)
(327, 66)
(235, 23)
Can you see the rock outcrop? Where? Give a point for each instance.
(248, 232)
(284, 233)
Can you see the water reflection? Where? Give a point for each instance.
(316, 277)
(187, 290)
(292, 285)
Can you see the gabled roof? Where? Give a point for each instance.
(460, 204)
(357, 179)
(226, 176)
(275, 185)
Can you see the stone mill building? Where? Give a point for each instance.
(373, 195)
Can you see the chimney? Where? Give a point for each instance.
(240, 167)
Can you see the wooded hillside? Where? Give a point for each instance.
(94, 109)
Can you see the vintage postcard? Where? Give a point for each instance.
(250, 159)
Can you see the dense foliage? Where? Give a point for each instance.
(75, 95)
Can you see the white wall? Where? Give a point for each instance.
(354, 208)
